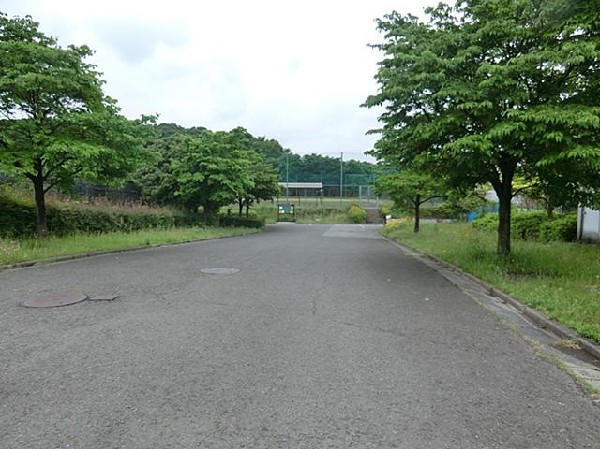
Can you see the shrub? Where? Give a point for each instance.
(563, 228)
(356, 214)
(240, 222)
(18, 219)
(488, 222)
(527, 225)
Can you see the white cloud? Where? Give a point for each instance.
(295, 71)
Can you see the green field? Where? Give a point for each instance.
(562, 280)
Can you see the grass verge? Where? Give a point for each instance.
(561, 280)
(25, 250)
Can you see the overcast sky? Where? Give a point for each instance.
(295, 71)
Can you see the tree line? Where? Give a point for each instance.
(57, 127)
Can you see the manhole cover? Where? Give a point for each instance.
(220, 271)
(102, 296)
(54, 300)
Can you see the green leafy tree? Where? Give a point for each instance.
(213, 169)
(490, 90)
(265, 185)
(56, 124)
(410, 190)
(156, 178)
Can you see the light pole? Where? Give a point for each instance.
(287, 178)
(341, 177)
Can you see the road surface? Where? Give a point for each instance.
(301, 337)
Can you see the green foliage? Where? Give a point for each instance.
(198, 168)
(240, 222)
(562, 228)
(487, 222)
(357, 214)
(16, 219)
(458, 203)
(314, 167)
(535, 226)
(212, 170)
(410, 189)
(56, 124)
(488, 90)
(527, 225)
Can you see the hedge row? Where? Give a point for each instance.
(18, 219)
(535, 226)
(237, 221)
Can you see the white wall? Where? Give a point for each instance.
(588, 224)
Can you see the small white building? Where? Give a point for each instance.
(588, 224)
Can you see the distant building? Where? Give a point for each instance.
(301, 188)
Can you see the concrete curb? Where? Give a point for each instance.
(537, 318)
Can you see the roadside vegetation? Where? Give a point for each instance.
(13, 251)
(317, 211)
(560, 279)
(486, 92)
(80, 228)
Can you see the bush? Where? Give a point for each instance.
(488, 222)
(563, 228)
(527, 225)
(357, 214)
(534, 226)
(18, 219)
(240, 222)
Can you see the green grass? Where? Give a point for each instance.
(562, 280)
(25, 250)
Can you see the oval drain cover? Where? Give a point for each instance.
(220, 271)
(54, 300)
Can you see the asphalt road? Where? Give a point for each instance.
(326, 337)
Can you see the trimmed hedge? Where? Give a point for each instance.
(243, 222)
(18, 219)
(534, 226)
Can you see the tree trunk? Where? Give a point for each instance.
(504, 192)
(417, 203)
(549, 210)
(503, 247)
(241, 206)
(40, 200)
(210, 214)
(247, 208)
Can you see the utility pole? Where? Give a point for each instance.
(287, 178)
(341, 177)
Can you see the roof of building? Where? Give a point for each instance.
(302, 185)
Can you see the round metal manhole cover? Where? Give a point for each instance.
(220, 271)
(54, 300)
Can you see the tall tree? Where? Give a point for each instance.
(489, 90)
(56, 124)
(213, 169)
(264, 187)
